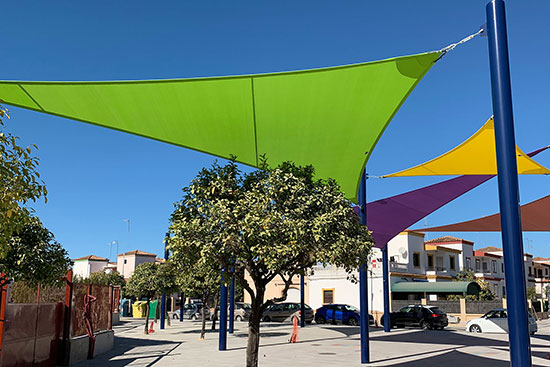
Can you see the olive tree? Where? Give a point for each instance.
(19, 182)
(269, 222)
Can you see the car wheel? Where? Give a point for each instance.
(475, 328)
(424, 325)
(238, 318)
(267, 319)
(353, 321)
(295, 318)
(175, 316)
(320, 320)
(533, 333)
(193, 317)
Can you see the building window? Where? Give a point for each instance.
(530, 273)
(430, 261)
(468, 263)
(125, 261)
(503, 291)
(540, 273)
(452, 262)
(416, 259)
(494, 265)
(478, 264)
(328, 296)
(485, 267)
(546, 271)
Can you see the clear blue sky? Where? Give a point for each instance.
(97, 177)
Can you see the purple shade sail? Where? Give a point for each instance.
(388, 217)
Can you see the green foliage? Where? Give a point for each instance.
(103, 278)
(25, 292)
(486, 294)
(268, 222)
(532, 293)
(150, 280)
(19, 182)
(33, 255)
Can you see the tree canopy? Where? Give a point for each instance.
(269, 222)
(486, 294)
(32, 254)
(19, 182)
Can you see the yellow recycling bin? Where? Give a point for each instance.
(138, 309)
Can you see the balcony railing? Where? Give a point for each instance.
(399, 267)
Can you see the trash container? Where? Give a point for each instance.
(125, 308)
(152, 308)
(139, 308)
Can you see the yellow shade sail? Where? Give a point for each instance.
(475, 156)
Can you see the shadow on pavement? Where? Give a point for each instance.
(121, 354)
(454, 358)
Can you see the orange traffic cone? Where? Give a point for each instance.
(294, 336)
(151, 330)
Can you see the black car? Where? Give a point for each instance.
(427, 317)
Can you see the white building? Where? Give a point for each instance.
(84, 266)
(128, 261)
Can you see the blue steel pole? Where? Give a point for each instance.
(163, 299)
(385, 285)
(302, 304)
(182, 301)
(512, 244)
(232, 304)
(223, 315)
(363, 285)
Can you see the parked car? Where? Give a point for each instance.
(286, 312)
(340, 313)
(496, 321)
(242, 311)
(192, 311)
(427, 317)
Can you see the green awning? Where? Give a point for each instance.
(469, 288)
(331, 118)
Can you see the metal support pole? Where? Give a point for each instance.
(163, 297)
(223, 315)
(302, 302)
(512, 244)
(182, 301)
(386, 286)
(232, 304)
(363, 284)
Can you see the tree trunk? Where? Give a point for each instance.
(146, 331)
(203, 316)
(253, 344)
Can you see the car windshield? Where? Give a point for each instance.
(246, 306)
(351, 308)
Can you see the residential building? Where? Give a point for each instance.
(489, 267)
(84, 266)
(542, 276)
(128, 261)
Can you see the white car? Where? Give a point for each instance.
(496, 321)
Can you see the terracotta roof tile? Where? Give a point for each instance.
(92, 258)
(447, 239)
(138, 252)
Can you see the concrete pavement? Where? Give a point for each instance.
(318, 345)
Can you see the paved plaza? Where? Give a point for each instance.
(179, 345)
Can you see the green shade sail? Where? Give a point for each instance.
(468, 288)
(330, 118)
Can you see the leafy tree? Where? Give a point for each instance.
(198, 276)
(486, 294)
(148, 281)
(19, 183)
(269, 222)
(33, 254)
(111, 278)
(531, 293)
